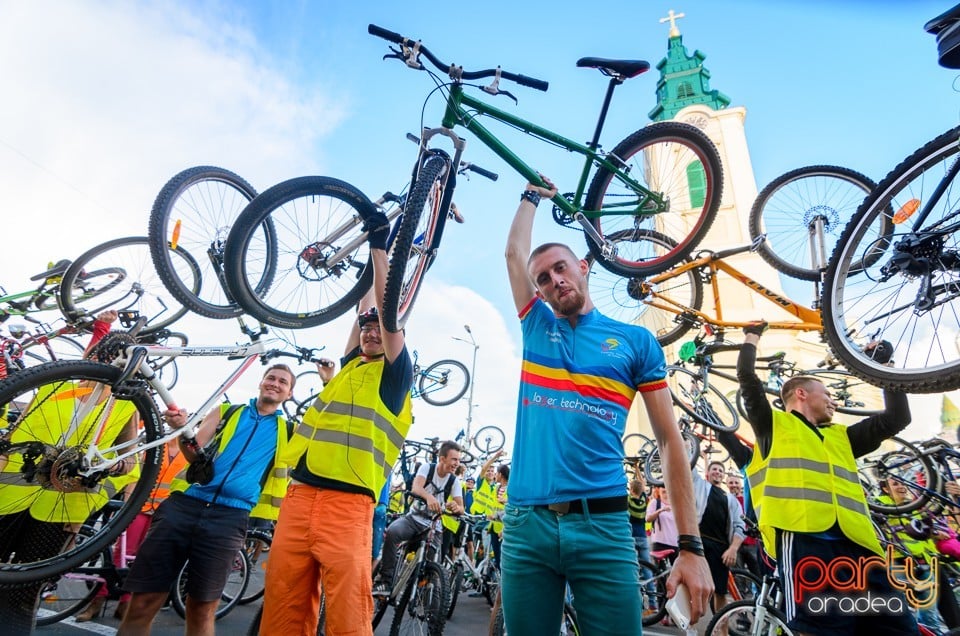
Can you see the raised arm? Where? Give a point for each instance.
(378, 230)
(518, 244)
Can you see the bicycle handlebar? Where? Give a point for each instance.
(303, 354)
(450, 69)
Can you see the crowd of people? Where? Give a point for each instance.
(561, 515)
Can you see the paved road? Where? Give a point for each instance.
(470, 619)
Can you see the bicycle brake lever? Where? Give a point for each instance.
(510, 95)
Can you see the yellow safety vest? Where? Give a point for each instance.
(396, 501)
(348, 434)
(481, 497)
(807, 485)
(495, 508)
(278, 477)
(47, 418)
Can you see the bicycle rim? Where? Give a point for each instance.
(902, 287)
(74, 590)
(488, 440)
(705, 404)
(793, 203)
(741, 618)
(195, 211)
(322, 258)
(443, 382)
(903, 464)
(413, 250)
(660, 307)
(41, 464)
(140, 289)
(678, 163)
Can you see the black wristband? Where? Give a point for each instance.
(531, 196)
(690, 543)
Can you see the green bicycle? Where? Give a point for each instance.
(666, 176)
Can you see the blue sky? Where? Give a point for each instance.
(106, 101)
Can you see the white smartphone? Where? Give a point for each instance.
(678, 607)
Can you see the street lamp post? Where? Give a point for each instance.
(473, 367)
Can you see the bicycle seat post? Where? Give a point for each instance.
(614, 82)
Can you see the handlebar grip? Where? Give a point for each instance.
(532, 82)
(380, 32)
(483, 172)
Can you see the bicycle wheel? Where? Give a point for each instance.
(653, 469)
(232, 592)
(257, 548)
(74, 590)
(489, 439)
(793, 204)
(414, 249)
(706, 405)
(904, 463)
(88, 285)
(42, 466)
(653, 591)
(443, 382)
(741, 618)
(903, 286)
(747, 583)
(140, 290)
(678, 163)
(661, 307)
(322, 259)
(195, 211)
(637, 445)
(455, 582)
(422, 608)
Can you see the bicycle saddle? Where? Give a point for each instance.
(59, 268)
(946, 27)
(624, 69)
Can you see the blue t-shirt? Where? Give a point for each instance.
(237, 471)
(576, 388)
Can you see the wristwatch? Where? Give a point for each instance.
(531, 196)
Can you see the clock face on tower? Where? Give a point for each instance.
(698, 120)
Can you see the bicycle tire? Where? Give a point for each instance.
(141, 289)
(456, 582)
(875, 282)
(87, 285)
(653, 468)
(637, 445)
(904, 462)
(748, 584)
(414, 247)
(658, 156)
(443, 382)
(21, 389)
(236, 584)
(743, 615)
(654, 601)
(195, 210)
(489, 439)
(257, 548)
(785, 209)
(72, 595)
(315, 219)
(634, 300)
(431, 588)
(710, 408)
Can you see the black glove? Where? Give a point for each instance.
(880, 351)
(756, 328)
(377, 228)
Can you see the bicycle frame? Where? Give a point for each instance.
(135, 365)
(713, 263)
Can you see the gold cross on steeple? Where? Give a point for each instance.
(672, 18)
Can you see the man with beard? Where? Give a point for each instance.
(566, 521)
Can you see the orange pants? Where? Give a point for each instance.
(321, 536)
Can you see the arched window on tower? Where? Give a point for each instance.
(684, 90)
(697, 184)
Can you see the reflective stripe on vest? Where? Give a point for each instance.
(47, 419)
(348, 434)
(806, 484)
